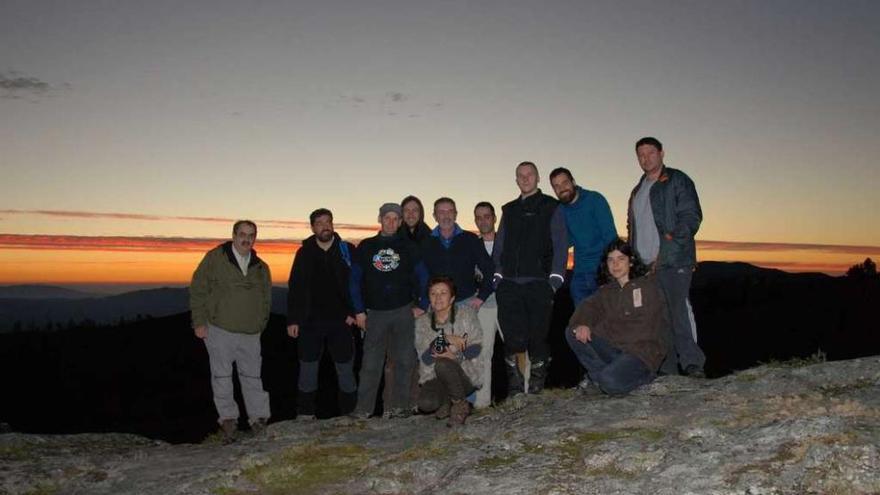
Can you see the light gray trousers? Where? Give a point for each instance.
(225, 348)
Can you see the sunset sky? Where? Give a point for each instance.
(132, 134)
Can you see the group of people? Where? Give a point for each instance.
(429, 302)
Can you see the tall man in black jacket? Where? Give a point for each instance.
(320, 312)
(530, 254)
(387, 277)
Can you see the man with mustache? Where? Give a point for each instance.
(230, 297)
(320, 312)
(590, 228)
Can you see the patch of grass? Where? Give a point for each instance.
(308, 468)
(845, 388)
(440, 447)
(44, 488)
(818, 357)
(572, 448)
(497, 461)
(747, 377)
(15, 452)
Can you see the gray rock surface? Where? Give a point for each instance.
(768, 430)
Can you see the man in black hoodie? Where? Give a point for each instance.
(320, 312)
(387, 277)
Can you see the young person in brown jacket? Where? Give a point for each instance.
(618, 334)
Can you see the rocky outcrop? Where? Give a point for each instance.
(783, 429)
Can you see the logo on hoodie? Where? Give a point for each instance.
(386, 260)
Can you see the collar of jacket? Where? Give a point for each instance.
(664, 174)
(535, 197)
(456, 230)
(227, 248)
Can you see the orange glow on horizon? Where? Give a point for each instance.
(53, 259)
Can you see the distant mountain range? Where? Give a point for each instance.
(41, 292)
(40, 307)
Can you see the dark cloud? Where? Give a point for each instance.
(397, 97)
(15, 85)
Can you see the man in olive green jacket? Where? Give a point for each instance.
(230, 298)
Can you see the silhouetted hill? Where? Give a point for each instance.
(151, 376)
(41, 292)
(43, 313)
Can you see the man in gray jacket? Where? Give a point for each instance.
(663, 216)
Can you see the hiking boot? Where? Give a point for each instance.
(228, 428)
(587, 388)
(359, 415)
(538, 376)
(458, 413)
(515, 380)
(444, 410)
(397, 413)
(258, 427)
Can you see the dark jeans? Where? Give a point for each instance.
(524, 312)
(683, 349)
(314, 336)
(389, 332)
(614, 371)
(451, 383)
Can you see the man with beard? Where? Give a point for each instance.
(387, 276)
(230, 297)
(590, 229)
(662, 219)
(531, 250)
(320, 313)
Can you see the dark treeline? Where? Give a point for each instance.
(151, 376)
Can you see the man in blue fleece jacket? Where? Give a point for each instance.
(590, 228)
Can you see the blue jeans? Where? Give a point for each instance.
(582, 286)
(614, 371)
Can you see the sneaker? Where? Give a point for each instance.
(359, 415)
(444, 411)
(694, 371)
(228, 428)
(459, 411)
(397, 413)
(587, 388)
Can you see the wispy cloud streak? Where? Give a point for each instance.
(294, 224)
(785, 247)
(133, 244)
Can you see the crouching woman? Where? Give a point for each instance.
(449, 366)
(618, 333)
